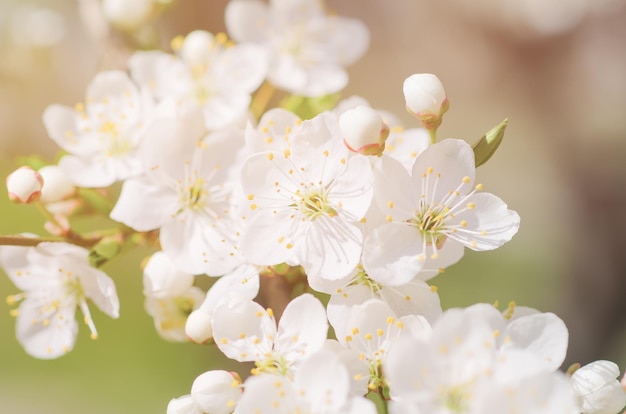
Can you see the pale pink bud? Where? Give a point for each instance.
(425, 98)
(58, 186)
(198, 326)
(24, 185)
(216, 392)
(363, 130)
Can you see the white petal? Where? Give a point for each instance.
(544, 335)
(453, 159)
(413, 298)
(490, 223)
(391, 254)
(46, 335)
(246, 21)
(331, 248)
(144, 205)
(162, 279)
(61, 124)
(269, 238)
(303, 327)
(243, 330)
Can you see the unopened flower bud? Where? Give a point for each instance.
(216, 392)
(425, 98)
(364, 130)
(127, 14)
(58, 186)
(24, 185)
(198, 326)
(196, 48)
(597, 387)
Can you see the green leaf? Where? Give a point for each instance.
(105, 250)
(307, 108)
(488, 144)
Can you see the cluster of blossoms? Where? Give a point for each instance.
(351, 213)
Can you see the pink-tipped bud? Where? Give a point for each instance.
(24, 185)
(364, 131)
(425, 98)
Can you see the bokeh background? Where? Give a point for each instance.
(555, 68)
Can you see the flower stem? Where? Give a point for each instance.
(383, 400)
(17, 240)
(433, 135)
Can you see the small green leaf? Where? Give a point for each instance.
(105, 250)
(307, 108)
(488, 144)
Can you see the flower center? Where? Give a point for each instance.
(273, 363)
(314, 204)
(115, 144)
(431, 224)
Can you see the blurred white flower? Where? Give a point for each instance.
(309, 48)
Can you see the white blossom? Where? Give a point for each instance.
(55, 278)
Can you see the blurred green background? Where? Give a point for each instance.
(556, 69)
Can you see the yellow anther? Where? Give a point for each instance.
(407, 298)
(79, 107)
(289, 245)
(434, 289)
(177, 42)
(270, 156)
(368, 336)
(281, 239)
(390, 204)
(221, 37)
(379, 332)
(430, 170)
(250, 196)
(399, 324)
(287, 153)
(14, 312)
(389, 219)
(259, 314)
(326, 153)
(479, 187)
(466, 179)
(463, 223)
(242, 335)
(93, 336)
(270, 312)
(390, 320)
(348, 338)
(288, 130)
(496, 333)
(224, 341)
(471, 206)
